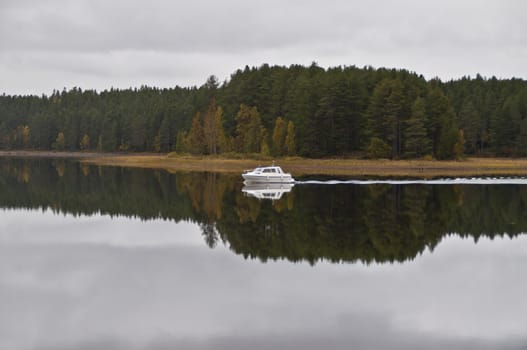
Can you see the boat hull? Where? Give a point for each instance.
(259, 178)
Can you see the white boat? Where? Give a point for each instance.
(273, 191)
(268, 174)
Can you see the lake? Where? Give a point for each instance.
(113, 258)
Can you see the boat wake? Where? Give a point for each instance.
(446, 181)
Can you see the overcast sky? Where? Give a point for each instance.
(46, 45)
(98, 283)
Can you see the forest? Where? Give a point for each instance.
(282, 111)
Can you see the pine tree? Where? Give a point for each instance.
(385, 113)
(300, 106)
(439, 115)
(164, 135)
(393, 117)
(447, 141)
(334, 115)
(507, 127)
(138, 137)
(416, 142)
(470, 122)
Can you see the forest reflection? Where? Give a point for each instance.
(341, 223)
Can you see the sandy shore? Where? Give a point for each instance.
(297, 166)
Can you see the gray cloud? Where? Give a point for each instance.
(307, 341)
(89, 288)
(100, 43)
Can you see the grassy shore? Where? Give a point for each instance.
(339, 167)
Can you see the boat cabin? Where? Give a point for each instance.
(268, 170)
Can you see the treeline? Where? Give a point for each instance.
(275, 110)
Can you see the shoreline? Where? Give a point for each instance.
(296, 166)
(60, 154)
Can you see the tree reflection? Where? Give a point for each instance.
(210, 234)
(345, 223)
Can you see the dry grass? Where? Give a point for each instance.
(343, 167)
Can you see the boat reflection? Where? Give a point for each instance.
(273, 191)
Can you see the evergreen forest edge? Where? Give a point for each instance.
(282, 111)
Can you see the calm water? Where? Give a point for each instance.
(110, 258)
